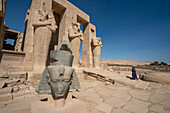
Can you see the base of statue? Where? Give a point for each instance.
(74, 106)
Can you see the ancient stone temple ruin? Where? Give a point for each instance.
(46, 22)
(59, 80)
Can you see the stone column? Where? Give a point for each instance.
(65, 22)
(2, 16)
(97, 45)
(1, 32)
(29, 35)
(89, 34)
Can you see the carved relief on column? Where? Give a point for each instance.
(75, 37)
(44, 24)
(18, 45)
(97, 45)
(1, 5)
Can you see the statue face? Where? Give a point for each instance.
(59, 86)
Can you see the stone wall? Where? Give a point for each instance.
(13, 61)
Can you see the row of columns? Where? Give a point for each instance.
(68, 16)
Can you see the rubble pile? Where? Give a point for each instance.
(14, 85)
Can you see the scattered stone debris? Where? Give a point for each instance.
(14, 85)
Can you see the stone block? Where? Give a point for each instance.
(6, 90)
(75, 106)
(158, 109)
(140, 94)
(5, 97)
(17, 75)
(104, 108)
(95, 111)
(158, 98)
(137, 106)
(13, 82)
(15, 89)
(116, 102)
(22, 94)
(23, 87)
(120, 111)
(2, 84)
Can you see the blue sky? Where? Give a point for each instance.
(130, 29)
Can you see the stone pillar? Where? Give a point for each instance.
(2, 16)
(89, 34)
(97, 45)
(65, 22)
(29, 36)
(1, 32)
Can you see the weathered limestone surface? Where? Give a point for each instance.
(141, 94)
(73, 107)
(37, 35)
(104, 107)
(111, 77)
(19, 41)
(2, 16)
(75, 36)
(44, 24)
(137, 106)
(91, 88)
(158, 108)
(97, 45)
(30, 34)
(120, 111)
(89, 34)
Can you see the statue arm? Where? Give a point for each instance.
(95, 42)
(39, 23)
(72, 34)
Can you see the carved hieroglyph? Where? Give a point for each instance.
(75, 37)
(44, 24)
(97, 45)
(18, 44)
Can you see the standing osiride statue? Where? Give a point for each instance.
(75, 37)
(44, 24)
(1, 5)
(97, 45)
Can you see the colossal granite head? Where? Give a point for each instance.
(59, 83)
(60, 75)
